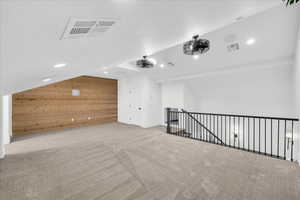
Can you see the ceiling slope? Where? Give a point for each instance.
(31, 31)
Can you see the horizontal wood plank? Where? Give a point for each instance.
(53, 107)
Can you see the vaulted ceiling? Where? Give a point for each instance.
(31, 31)
(274, 33)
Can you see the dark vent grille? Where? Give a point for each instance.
(79, 31)
(233, 47)
(85, 23)
(80, 28)
(106, 23)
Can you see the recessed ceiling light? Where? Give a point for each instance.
(47, 79)
(105, 72)
(250, 41)
(196, 57)
(162, 65)
(60, 65)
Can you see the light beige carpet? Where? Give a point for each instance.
(117, 161)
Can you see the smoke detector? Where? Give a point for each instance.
(233, 47)
(80, 28)
(171, 64)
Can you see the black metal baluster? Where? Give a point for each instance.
(210, 140)
(222, 128)
(206, 133)
(181, 123)
(217, 128)
(229, 131)
(171, 116)
(201, 136)
(214, 127)
(187, 125)
(271, 137)
(176, 123)
(195, 127)
(254, 131)
(292, 144)
(238, 132)
(192, 126)
(234, 133)
(248, 134)
(177, 116)
(284, 139)
(199, 127)
(225, 130)
(265, 137)
(243, 132)
(278, 138)
(184, 124)
(168, 120)
(259, 135)
(172, 122)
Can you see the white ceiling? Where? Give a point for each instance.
(275, 32)
(31, 30)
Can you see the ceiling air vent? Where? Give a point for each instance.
(233, 47)
(79, 28)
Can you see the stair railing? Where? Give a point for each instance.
(270, 136)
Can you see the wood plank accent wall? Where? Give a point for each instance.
(53, 107)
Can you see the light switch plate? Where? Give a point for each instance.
(75, 93)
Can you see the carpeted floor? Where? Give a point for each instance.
(116, 161)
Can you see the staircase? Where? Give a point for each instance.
(269, 136)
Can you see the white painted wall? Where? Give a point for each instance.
(5, 122)
(265, 91)
(1, 90)
(191, 102)
(152, 103)
(128, 104)
(2, 150)
(139, 101)
(7, 118)
(262, 91)
(177, 94)
(172, 96)
(296, 88)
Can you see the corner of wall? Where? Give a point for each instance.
(2, 152)
(296, 89)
